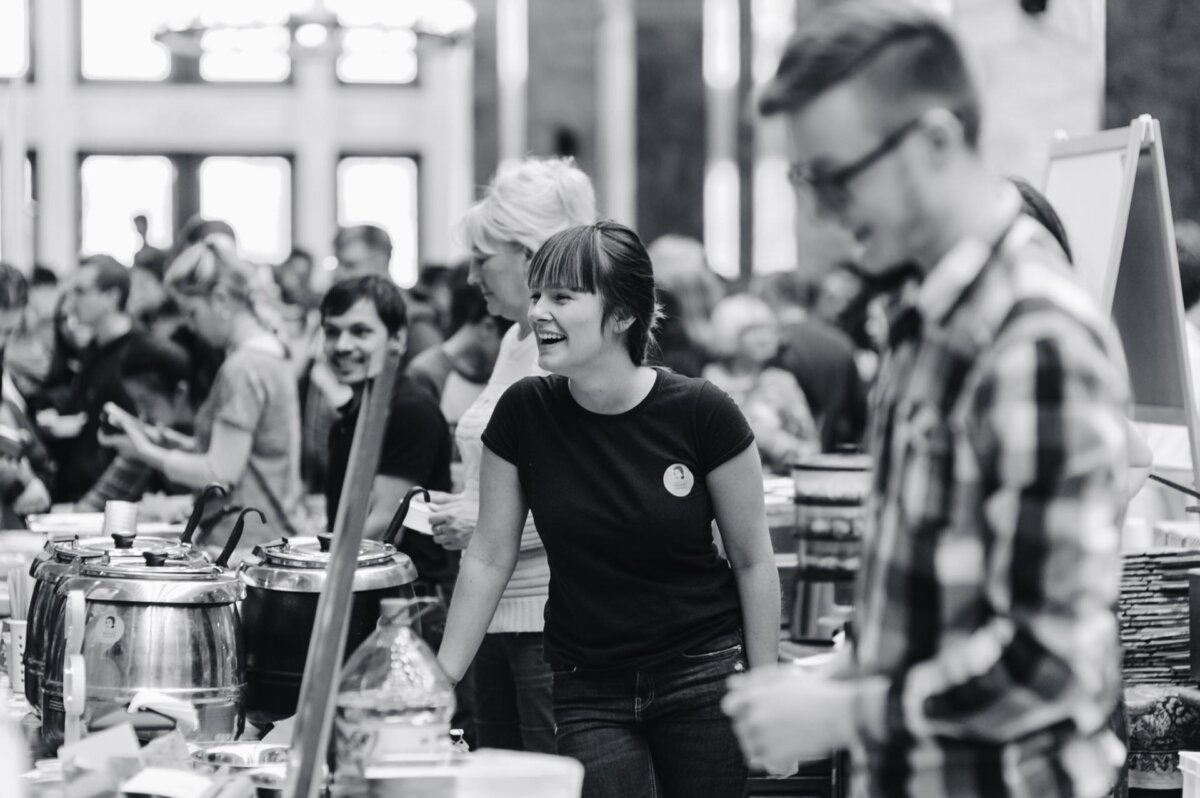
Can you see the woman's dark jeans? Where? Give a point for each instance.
(654, 732)
(513, 693)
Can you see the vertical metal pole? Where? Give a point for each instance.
(326, 649)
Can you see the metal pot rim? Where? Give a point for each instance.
(224, 588)
(398, 570)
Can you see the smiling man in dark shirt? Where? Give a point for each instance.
(361, 316)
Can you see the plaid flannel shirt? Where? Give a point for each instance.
(991, 569)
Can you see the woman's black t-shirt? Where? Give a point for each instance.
(623, 509)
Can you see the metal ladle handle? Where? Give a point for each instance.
(402, 513)
(235, 536)
(193, 521)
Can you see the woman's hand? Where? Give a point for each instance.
(452, 520)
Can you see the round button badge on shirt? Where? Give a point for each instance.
(678, 480)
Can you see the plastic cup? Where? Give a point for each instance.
(16, 655)
(120, 518)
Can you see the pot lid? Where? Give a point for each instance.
(834, 462)
(67, 551)
(160, 565)
(128, 546)
(313, 552)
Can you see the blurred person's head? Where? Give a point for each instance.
(99, 289)
(883, 124)
(434, 289)
(525, 204)
(1187, 249)
(146, 292)
(155, 373)
(789, 294)
(745, 331)
(213, 288)
(592, 291)
(197, 228)
(362, 249)
(43, 291)
(681, 267)
(469, 318)
(361, 316)
(298, 263)
(293, 277)
(71, 336)
(142, 225)
(14, 296)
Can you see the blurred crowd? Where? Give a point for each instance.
(795, 354)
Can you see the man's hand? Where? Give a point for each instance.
(131, 439)
(784, 714)
(61, 427)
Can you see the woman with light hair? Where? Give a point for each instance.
(524, 205)
(248, 428)
(745, 339)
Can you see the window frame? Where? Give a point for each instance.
(187, 174)
(414, 156)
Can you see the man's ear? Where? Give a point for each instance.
(944, 130)
(400, 340)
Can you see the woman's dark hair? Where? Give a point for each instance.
(1035, 205)
(382, 292)
(608, 259)
(157, 361)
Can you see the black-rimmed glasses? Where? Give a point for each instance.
(832, 188)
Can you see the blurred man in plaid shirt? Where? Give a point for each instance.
(985, 658)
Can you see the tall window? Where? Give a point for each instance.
(246, 39)
(255, 196)
(14, 36)
(115, 188)
(383, 192)
(378, 44)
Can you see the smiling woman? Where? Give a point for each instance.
(625, 468)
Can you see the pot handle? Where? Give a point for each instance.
(193, 521)
(402, 513)
(235, 536)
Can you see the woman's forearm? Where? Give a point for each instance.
(476, 596)
(758, 589)
(193, 470)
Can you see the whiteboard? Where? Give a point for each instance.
(1089, 183)
(1110, 190)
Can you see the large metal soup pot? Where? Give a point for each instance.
(59, 560)
(284, 580)
(163, 624)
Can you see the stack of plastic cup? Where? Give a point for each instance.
(120, 518)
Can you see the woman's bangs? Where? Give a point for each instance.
(558, 264)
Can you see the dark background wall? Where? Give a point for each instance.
(1153, 66)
